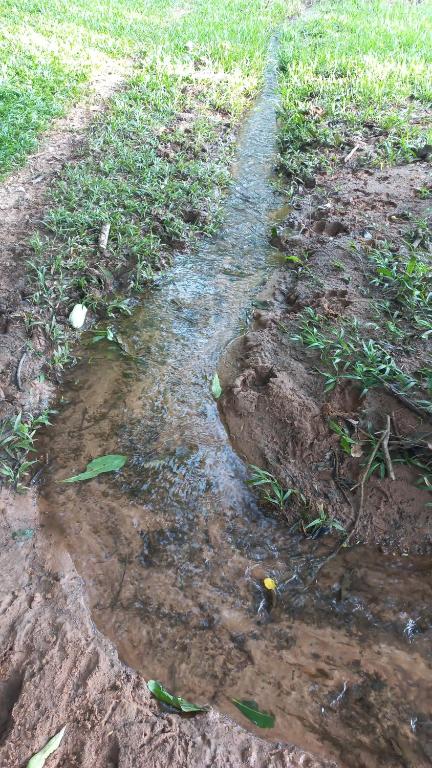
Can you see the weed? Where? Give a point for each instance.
(118, 306)
(272, 491)
(348, 356)
(323, 524)
(407, 282)
(346, 441)
(16, 443)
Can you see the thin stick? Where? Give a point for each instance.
(386, 452)
(103, 237)
(352, 153)
(19, 369)
(385, 436)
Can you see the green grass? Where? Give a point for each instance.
(17, 438)
(49, 50)
(355, 70)
(156, 159)
(353, 351)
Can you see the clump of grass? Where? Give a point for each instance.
(272, 491)
(348, 355)
(17, 438)
(353, 70)
(324, 523)
(406, 280)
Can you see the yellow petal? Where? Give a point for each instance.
(269, 583)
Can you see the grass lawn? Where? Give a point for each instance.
(49, 49)
(354, 70)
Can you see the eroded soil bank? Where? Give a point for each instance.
(339, 241)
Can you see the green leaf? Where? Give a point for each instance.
(161, 694)
(38, 760)
(21, 534)
(251, 710)
(109, 463)
(294, 259)
(216, 388)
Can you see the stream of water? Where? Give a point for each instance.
(173, 549)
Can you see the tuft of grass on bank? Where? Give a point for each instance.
(355, 72)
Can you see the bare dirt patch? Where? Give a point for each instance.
(275, 404)
(56, 669)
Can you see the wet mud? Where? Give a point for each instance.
(173, 550)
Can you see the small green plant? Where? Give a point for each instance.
(346, 441)
(119, 306)
(348, 356)
(324, 523)
(407, 282)
(338, 265)
(16, 443)
(272, 491)
(104, 334)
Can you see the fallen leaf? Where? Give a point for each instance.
(78, 316)
(269, 583)
(251, 710)
(38, 760)
(216, 388)
(109, 463)
(161, 694)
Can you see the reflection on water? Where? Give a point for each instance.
(173, 550)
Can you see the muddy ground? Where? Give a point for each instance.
(56, 668)
(275, 404)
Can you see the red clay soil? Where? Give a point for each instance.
(57, 669)
(274, 403)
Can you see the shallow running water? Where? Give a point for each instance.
(173, 550)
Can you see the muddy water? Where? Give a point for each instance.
(173, 549)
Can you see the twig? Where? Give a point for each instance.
(103, 237)
(407, 402)
(116, 597)
(19, 369)
(384, 437)
(385, 448)
(352, 153)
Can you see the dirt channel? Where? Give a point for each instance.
(163, 565)
(56, 668)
